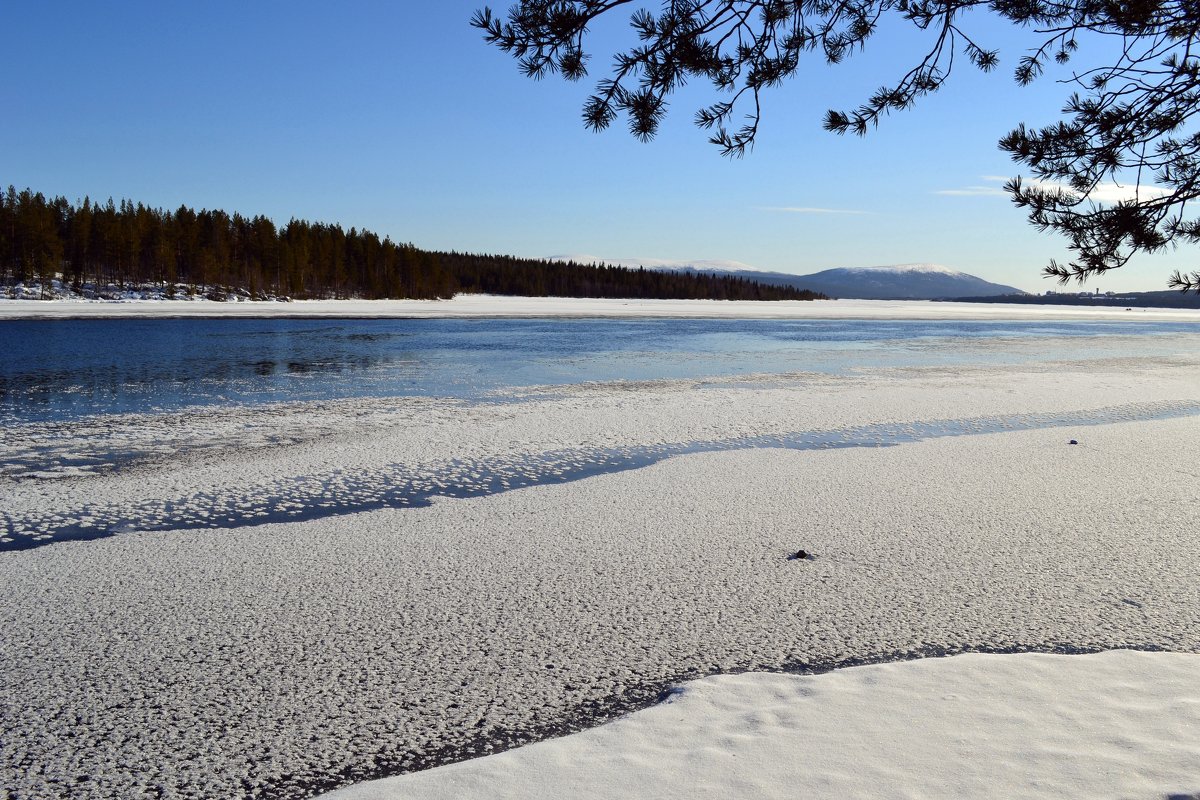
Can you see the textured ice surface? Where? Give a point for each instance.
(397, 485)
(280, 659)
(1116, 724)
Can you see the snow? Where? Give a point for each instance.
(289, 658)
(901, 268)
(503, 306)
(1116, 724)
(59, 291)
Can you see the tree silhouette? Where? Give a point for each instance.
(1129, 121)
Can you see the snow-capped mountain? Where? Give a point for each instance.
(928, 268)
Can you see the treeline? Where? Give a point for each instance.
(129, 244)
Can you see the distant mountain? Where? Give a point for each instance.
(662, 264)
(899, 282)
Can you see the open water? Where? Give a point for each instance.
(56, 370)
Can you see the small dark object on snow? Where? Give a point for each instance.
(1072, 442)
(799, 555)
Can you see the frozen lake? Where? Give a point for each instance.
(89, 397)
(54, 370)
(325, 551)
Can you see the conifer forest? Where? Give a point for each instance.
(130, 244)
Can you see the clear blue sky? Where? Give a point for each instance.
(396, 117)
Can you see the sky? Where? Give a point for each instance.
(396, 117)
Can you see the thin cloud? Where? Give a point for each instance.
(809, 210)
(972, 191)
(978, 191)
(1115, 192)
(1103, 193)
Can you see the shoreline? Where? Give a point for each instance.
(507, 307)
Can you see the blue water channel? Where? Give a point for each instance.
(56, 370)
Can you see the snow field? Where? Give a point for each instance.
(502, 306)
(282, 659)
(399, 485)
(1114, 724)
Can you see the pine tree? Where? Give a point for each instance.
(1132, 119)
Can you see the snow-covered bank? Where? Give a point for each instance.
(498, 306)
(1115, 724)
(58, 291)
(287, 658)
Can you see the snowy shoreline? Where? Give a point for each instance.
(284, 658)
(1111, 724)
(484, 306)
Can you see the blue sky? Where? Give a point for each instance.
(396, 117)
